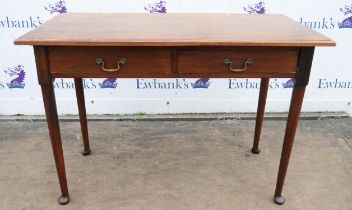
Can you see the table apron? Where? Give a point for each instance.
(172, 62)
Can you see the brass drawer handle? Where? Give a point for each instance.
(245, 64)
(120, 62)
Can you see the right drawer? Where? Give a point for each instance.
(250, 60)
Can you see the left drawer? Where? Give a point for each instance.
(76, 60)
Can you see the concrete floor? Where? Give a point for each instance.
(177, 165)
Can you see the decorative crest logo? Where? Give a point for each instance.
(257, 8)
(201, 83)
(289, 84)
(108, 83)
(159, 7)
(347, 22)
(19, 72)
(59, 7)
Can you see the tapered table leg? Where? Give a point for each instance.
(54, 131)
(305, 59)
(292, 121)
(264, 85)
(82, 115)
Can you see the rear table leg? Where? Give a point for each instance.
(264, 85)
(82, 115)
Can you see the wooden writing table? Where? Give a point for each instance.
(77, 45)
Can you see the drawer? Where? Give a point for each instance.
(264, 60)
(69, 60)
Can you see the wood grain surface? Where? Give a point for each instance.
(99, 29)
(82, 59)
(266, 59)
(77, 61)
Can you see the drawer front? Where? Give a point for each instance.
(71, 60)
(265, 60)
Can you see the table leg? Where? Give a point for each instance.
(264, 85)
(82, 114)
(292, 121)
(305, 59)
(54, 131)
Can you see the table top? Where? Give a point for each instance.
(172, 29)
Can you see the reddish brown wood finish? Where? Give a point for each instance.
(291, 126)
(264, 85)
(166, 62)
(93, 29)
(45, 81)
(82, 115)
(301, 80)
(55, 136)
(266, 60)
(304, 65)
(174, 61)
(41, 60)
(83, 60)
(175, 45)
(179, 75)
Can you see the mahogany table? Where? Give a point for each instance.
(94, 45)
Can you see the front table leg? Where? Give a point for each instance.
(292, 121)
(54, 131)
(301, 81)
